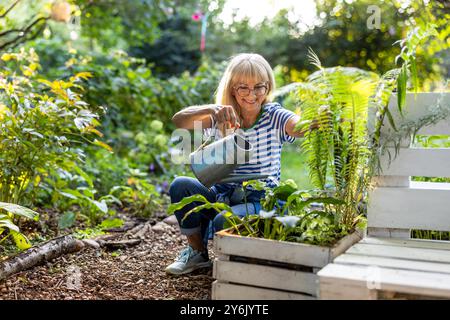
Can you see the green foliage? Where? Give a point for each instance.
(7, 223)
(337, 99)
(42, 124)
(141, 197)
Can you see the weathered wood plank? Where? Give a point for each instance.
(412, 243)
(265, 276)
(393, 263)
(399, 252)
(410, 208)
(280, 251)
(389, 233)
(386, 279)
(330, 289)
(228, 291)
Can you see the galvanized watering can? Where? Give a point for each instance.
(213, 163)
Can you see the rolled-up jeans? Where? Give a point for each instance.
(199, 222)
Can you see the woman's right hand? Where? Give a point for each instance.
(225, 117)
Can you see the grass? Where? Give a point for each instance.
(293, 166)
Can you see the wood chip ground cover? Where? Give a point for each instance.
(135, 272)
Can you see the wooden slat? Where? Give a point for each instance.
(280, 251)
(399, 252)
(410, 208)
(389, 233)
(265, 276)
(331, 289)
(418, 243)
(416, 107)
(417, 162)
(393, 263)
(440, 128)
(228, 291)
(386, 279)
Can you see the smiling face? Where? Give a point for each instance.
(250, 94)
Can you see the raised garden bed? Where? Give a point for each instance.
(256, 268)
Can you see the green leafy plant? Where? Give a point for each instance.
(9, 214)
(140, 196)
(43, 124)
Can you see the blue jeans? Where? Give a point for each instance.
(208, 221)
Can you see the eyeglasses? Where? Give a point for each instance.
(259, 90)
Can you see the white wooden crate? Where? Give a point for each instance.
(270, 269)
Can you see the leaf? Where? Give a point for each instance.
(288, 221)
(8, 224)
(85, 176)
(180, 205)
(20, 240)
(414, 77)
(101, 205)
(111, 223)
(401, 88)
(391, 119)
(103, 145)
(19, 210)
(66, 220)
(266, 214)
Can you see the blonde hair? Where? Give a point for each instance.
(241, 68)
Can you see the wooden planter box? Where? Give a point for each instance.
(256, 268)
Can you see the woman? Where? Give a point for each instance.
(242, 103)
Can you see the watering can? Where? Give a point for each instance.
(214, 162)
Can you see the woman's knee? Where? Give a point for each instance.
(179, 186)
(219, 222)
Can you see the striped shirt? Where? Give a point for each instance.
(267, 136)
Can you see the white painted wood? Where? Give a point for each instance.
(440, 128)
(280, 251)
(419, 254)
(265, 276)
(387, 279)
(389, 233)
(393, 263)
(410, 208)
(413, 243)
(228, 291)
(346, 243)
(416, 107)
(331, 289)
(418, 162)
(391, 181)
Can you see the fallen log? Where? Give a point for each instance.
(39, 254)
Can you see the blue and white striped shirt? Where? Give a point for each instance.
(267, 136)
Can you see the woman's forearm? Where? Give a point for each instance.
(185, 118)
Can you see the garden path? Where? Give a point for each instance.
(133, 273)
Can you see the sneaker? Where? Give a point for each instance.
(188, 261)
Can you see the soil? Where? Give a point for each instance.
(135, 272)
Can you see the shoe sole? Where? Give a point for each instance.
(193, 268)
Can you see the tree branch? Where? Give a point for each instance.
(9, 9)
(24, 32)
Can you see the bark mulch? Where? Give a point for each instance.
(135, 272)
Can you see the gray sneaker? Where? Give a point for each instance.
(188, 261)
